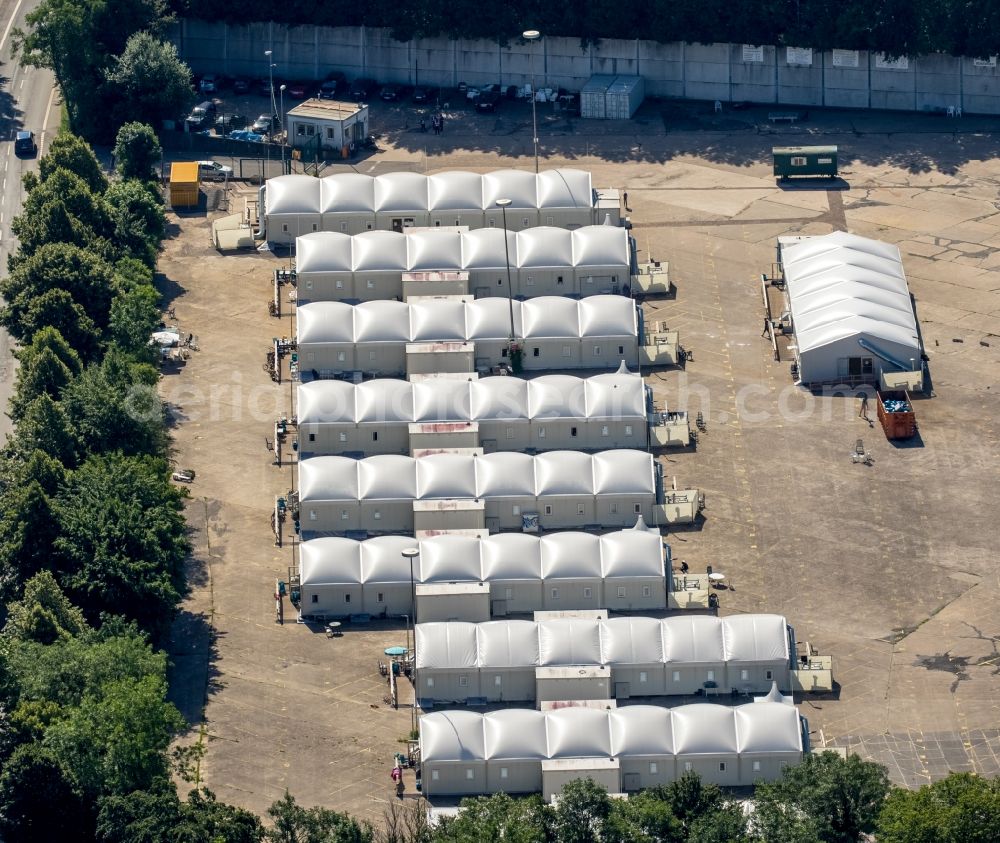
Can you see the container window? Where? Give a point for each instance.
(587, 592)
(503, 352)
(498, 681)
(372, 355)
(343, 227)
(688, 766)
(374, 436)
(597, 351)
(503, 772)
(493, 223)
(652, 767)
(646, 591)
(377, 515)
(343, 437)
(756, 766)
(347, 598)
(548, 509)
(677, 676)
(621, 349)
(509, 433)
(567, 351)
(525, 222)
(344, 515)
(722, 766)
(604, 430)
(637, 508)
(340, 284)
(614, 509)
(341, 356)
(435, 775)
(535, 351)
(515, 510)
(559, 279)
(381, 598)
(555, 593)
(769, 674)
(710, 675)
(430, 681)
(541, 433)
(579, 509)
(463, 681)
(621, 592)
(370, 284)
(628, 430)
(530, 281)
(744, 675)
(315, 598)
(798, 161)
(572, 431)
(312, 437)
(312, 514)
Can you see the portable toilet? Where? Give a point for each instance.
(804, 161)
(184, 184)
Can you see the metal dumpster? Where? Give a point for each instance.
(895, 414)
(804, 161)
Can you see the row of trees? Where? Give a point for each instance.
(110, 62)
(896, 27)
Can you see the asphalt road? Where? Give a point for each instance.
(28, 100)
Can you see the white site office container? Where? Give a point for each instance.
(592, 96)
(624, 96)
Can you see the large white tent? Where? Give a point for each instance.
(851, 309)
(566, 489)
(545, 260)
(559, 333)
(342, 576)
(466, 753)
(648, 657)
(546, 413)
(351, 203)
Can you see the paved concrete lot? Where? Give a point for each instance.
(890, 567)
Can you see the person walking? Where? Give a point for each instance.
(625, 200)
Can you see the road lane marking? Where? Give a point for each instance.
(45, 125)
(20, 84)
(10, 23)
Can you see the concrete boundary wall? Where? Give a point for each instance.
(725, 72)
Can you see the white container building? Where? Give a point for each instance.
(464, 753)
(351, 203)
(558, 333)
(644, 657)
(623, 97)
(544, 261)
(551, 412)
(340, 576)
(566, 489)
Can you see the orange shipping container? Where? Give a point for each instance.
(184, 184)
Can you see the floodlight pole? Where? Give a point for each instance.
(502, 204)
(281, 126)
(533, 35)
(411, 553)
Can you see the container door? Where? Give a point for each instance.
(622, 691)
(631, 782)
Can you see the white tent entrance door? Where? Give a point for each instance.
(855, 367)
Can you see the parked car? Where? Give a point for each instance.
(362, 89)
(424, 94)
(476, 93)
(241, 85)
(207, 85)
(225, 123)
(264, 87)
(265, 124)
(24, 143)
(201, 116)
(214, 171)
(488, 101)
(511, 92)
(297, 90)
(394, 93)
(333, 82)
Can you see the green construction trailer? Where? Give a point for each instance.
(804, 161)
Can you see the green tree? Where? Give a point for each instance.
(135, 315)
(54, 309)
(45, 426)
(840, 797)
(643, 818)
(43, 614)
(962, 808)
(123, 540)
(27, 535)
(157, 814)
(497, 817)
(38, 800)
(137, 152)
(56, 268)
(42, 372)
(294, 824)
(153, 84)
(583, 809)
(728, 824)
(73, 154)
(137, 218)
(113, 405)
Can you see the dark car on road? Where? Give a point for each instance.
(422, 93)
(265, 124)
(225, 123)
(24, 143)
(394, 93)
(335, 81)
(362, 89)
(488, 101)
(202, 116)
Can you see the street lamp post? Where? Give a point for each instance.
(270, 78)
(281, 126)
(533, 35)
(412, 553)
(502, 204)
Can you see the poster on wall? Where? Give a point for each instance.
(752, 54)
(990, 62)
(883, 62)
(799, 56)
(845, 58)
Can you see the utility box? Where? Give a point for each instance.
(895, 414)
(804, 161)
(184, 184)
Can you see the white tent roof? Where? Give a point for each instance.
(638, 730)
(616, 641)
(454, 191)
(324, 251)
(571, 556)
(378, 400)
(402, 191)
(380, 251)
(332, 402)
(500, 398)
(600, 245)
(616, 396)
(512, 556)
(386, 477)
(504, 556)
(578, 733)
(450, 558)
(346, 193)
(634, 731)
(841, 285)
(545, 247)
(557, 397)
(632, 640)
(623, 472)
(433, 249)
(768, 727)
(569, 641)
(446, 476)
(565, 189)
(483, 248)
(515, 734)
(446, 645)
(439, 320)
(632, 553)
(507, 644)
(293, 194)
(330, 560)
(517, 185)
(705, 729)
(564, 473)
(693, 639)
(755, 638)
(505, 474)
(328, 479)
(442, 400)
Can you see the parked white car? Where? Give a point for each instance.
(214, 171)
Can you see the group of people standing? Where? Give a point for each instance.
(437, 124)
